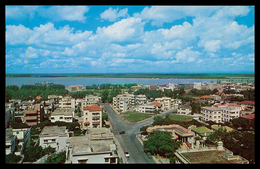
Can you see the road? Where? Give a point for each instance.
(128, 140)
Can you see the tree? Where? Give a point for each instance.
(104, 96)
(160, 142)
(59, 158)
(12, 158)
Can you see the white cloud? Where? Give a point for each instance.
(186, 55)
(160, 14)
(124, 30)
(113, 14)
(45, 34)
(210, 46)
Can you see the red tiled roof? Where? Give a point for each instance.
(93, 107)
(248, 102)
(156, 104)
(249, 116)
(206, 96)
(228, 104)
(38, 97)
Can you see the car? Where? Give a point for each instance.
(122, 132)
(149, 155)
(127, 154)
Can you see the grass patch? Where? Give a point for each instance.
(135, 117)
(180, 118)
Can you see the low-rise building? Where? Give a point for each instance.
(75, 87)
(158, 106)
(123, 102)
(202, 132)
(208, 155)
(33, 115)
(178, 132)
(65, 115)
(54, 136)
(97, 146)
(10, 141)
(184, 109)
(211, 114)
(147, 108)
(67, 103)
(92, 116)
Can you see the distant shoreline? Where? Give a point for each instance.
(140, 76)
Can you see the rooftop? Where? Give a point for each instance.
(93, 107)
(248, 102)
(53, 130)
(249, 116)
(65, 112)
(201, 130)
(208, 157)
(211, 108)
(156, 104)
(228, 129)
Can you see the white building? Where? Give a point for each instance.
(54, 136)
(95, 147)
(147, 108)
(65, 115)
(67, 103)
(92, 116)
(10, 141)
(211, 113)
(123, 102)
(229, 112)
(184, 109)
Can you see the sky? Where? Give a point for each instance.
(129, 39)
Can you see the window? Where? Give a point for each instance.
(45, 141)
(106, 159)
(86, 114)
(61, 117)
(82, 161)
(53, 140)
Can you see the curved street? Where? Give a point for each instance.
(128, 140)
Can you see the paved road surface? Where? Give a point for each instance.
(128, 141)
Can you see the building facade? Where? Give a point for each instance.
(211, 114)
(33, 115)
(92, 116)
(65, 115)
(54, 136)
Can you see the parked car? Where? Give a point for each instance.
(149, 155)
(122, 132)
(127, 154)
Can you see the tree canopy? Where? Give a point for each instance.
(160, 142)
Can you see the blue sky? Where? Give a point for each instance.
(130, 39)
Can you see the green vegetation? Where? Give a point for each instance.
(240, 142)
(134, 117)
(29, 92)
(59, 158)
(160, 142)
(174, 119)
(33, 153)
(180, 118)
(12, 158)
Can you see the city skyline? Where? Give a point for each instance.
(130, 39)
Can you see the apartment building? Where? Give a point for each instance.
(229, 112)
(123, 102)
(33, 115)
(67, 102)
(54, 136)
(92, 116)
(10, 141)
(184, 109)
(147, 108)
(140, 99)
(211, 113)
(168, 103)
(65, 115)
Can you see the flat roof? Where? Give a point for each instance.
(53, 130)
(211, 108)
(207, 157)
(65, 112)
